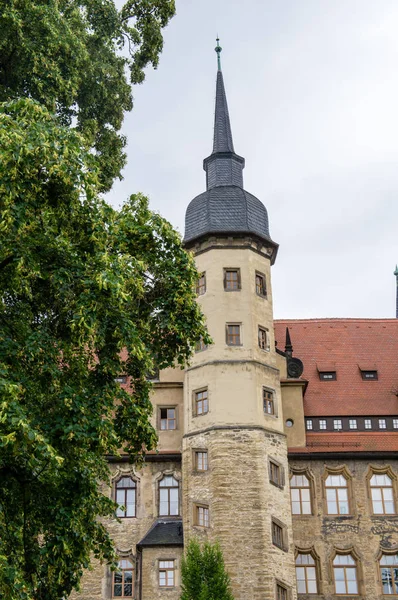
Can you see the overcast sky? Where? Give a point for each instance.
(312, 88)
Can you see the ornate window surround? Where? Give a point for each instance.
(358, 561)
(311, 478)
(382, 470)
(339, 470)
(311, 550)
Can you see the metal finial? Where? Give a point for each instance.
(218, 50)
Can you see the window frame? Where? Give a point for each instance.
(365, 374)
(201, 288)
(279, 534)
(343, 471)
(269, 402)
(125, 504)
(168, 488)
(122, 583)
(236, 270)
(281, 587)
(175, 419)
(358, 580)
(316, 565)
(196, 400)
(166, 570)
(387, 552)
(327, 375)
(385, 470)
(197, 507)
(261, 276)
(195, 461)
(227, 335)
(264, 339)
(302, 473)
(276, 473)
(200, 346)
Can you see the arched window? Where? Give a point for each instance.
(168, 496)
(306, 574)
(345, 574)
(337, 495)
(126, 497)
(389, 573)
(381, 490)
(300, 493)
(122, 585)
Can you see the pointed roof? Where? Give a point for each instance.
(222, 127)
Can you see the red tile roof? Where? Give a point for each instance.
(348, 442)
(346, 344)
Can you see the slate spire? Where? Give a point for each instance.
(223, 166)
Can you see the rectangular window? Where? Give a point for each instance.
(201, 284)
(261, 287)
(202, 515)
(395, 423)
(121, 379)
(368, 424)
(353, 424)
(322, 424)
(167, 418)
(122, 584)
(369, 375)
(337, 495)
(263, 339)
(382, 424)
(277, 535)
(300, 493)
(309, 423)
(201, 463)
(232, 280)
(201, 403)
(233, 334)
(166, 573)
(337, 424)
(327, 376)
(268, 402)
(281, 592)
(275, 474)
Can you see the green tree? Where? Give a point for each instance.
(86, 293)
(203, 573)
(75, 57)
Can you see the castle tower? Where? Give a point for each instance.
(235, 471)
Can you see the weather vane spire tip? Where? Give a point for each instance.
(218, 51)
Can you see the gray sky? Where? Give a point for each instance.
(312, 88)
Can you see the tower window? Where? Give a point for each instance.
(200, 346)
(167, 418)
(201, 406)
(268, 402)
(201, 515)
(201, 463)
(275, 474)
(263, 338)
(261, 287)
(232, 281)
(233, 337)
(201, 284)
(281, 592)
(278, 535)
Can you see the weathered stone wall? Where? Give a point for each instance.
(242, 502)
(364, 533)
(97, 584)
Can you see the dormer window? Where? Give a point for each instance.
(327, 376)
(369, 375)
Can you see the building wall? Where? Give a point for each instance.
(361, 531)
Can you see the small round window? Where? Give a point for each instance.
(289, 422)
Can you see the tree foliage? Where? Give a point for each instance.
(203, 573)
(79, 282)
(74, 57)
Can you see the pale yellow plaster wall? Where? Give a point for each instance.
(293, 410)
(150, 573)
(168, 395)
